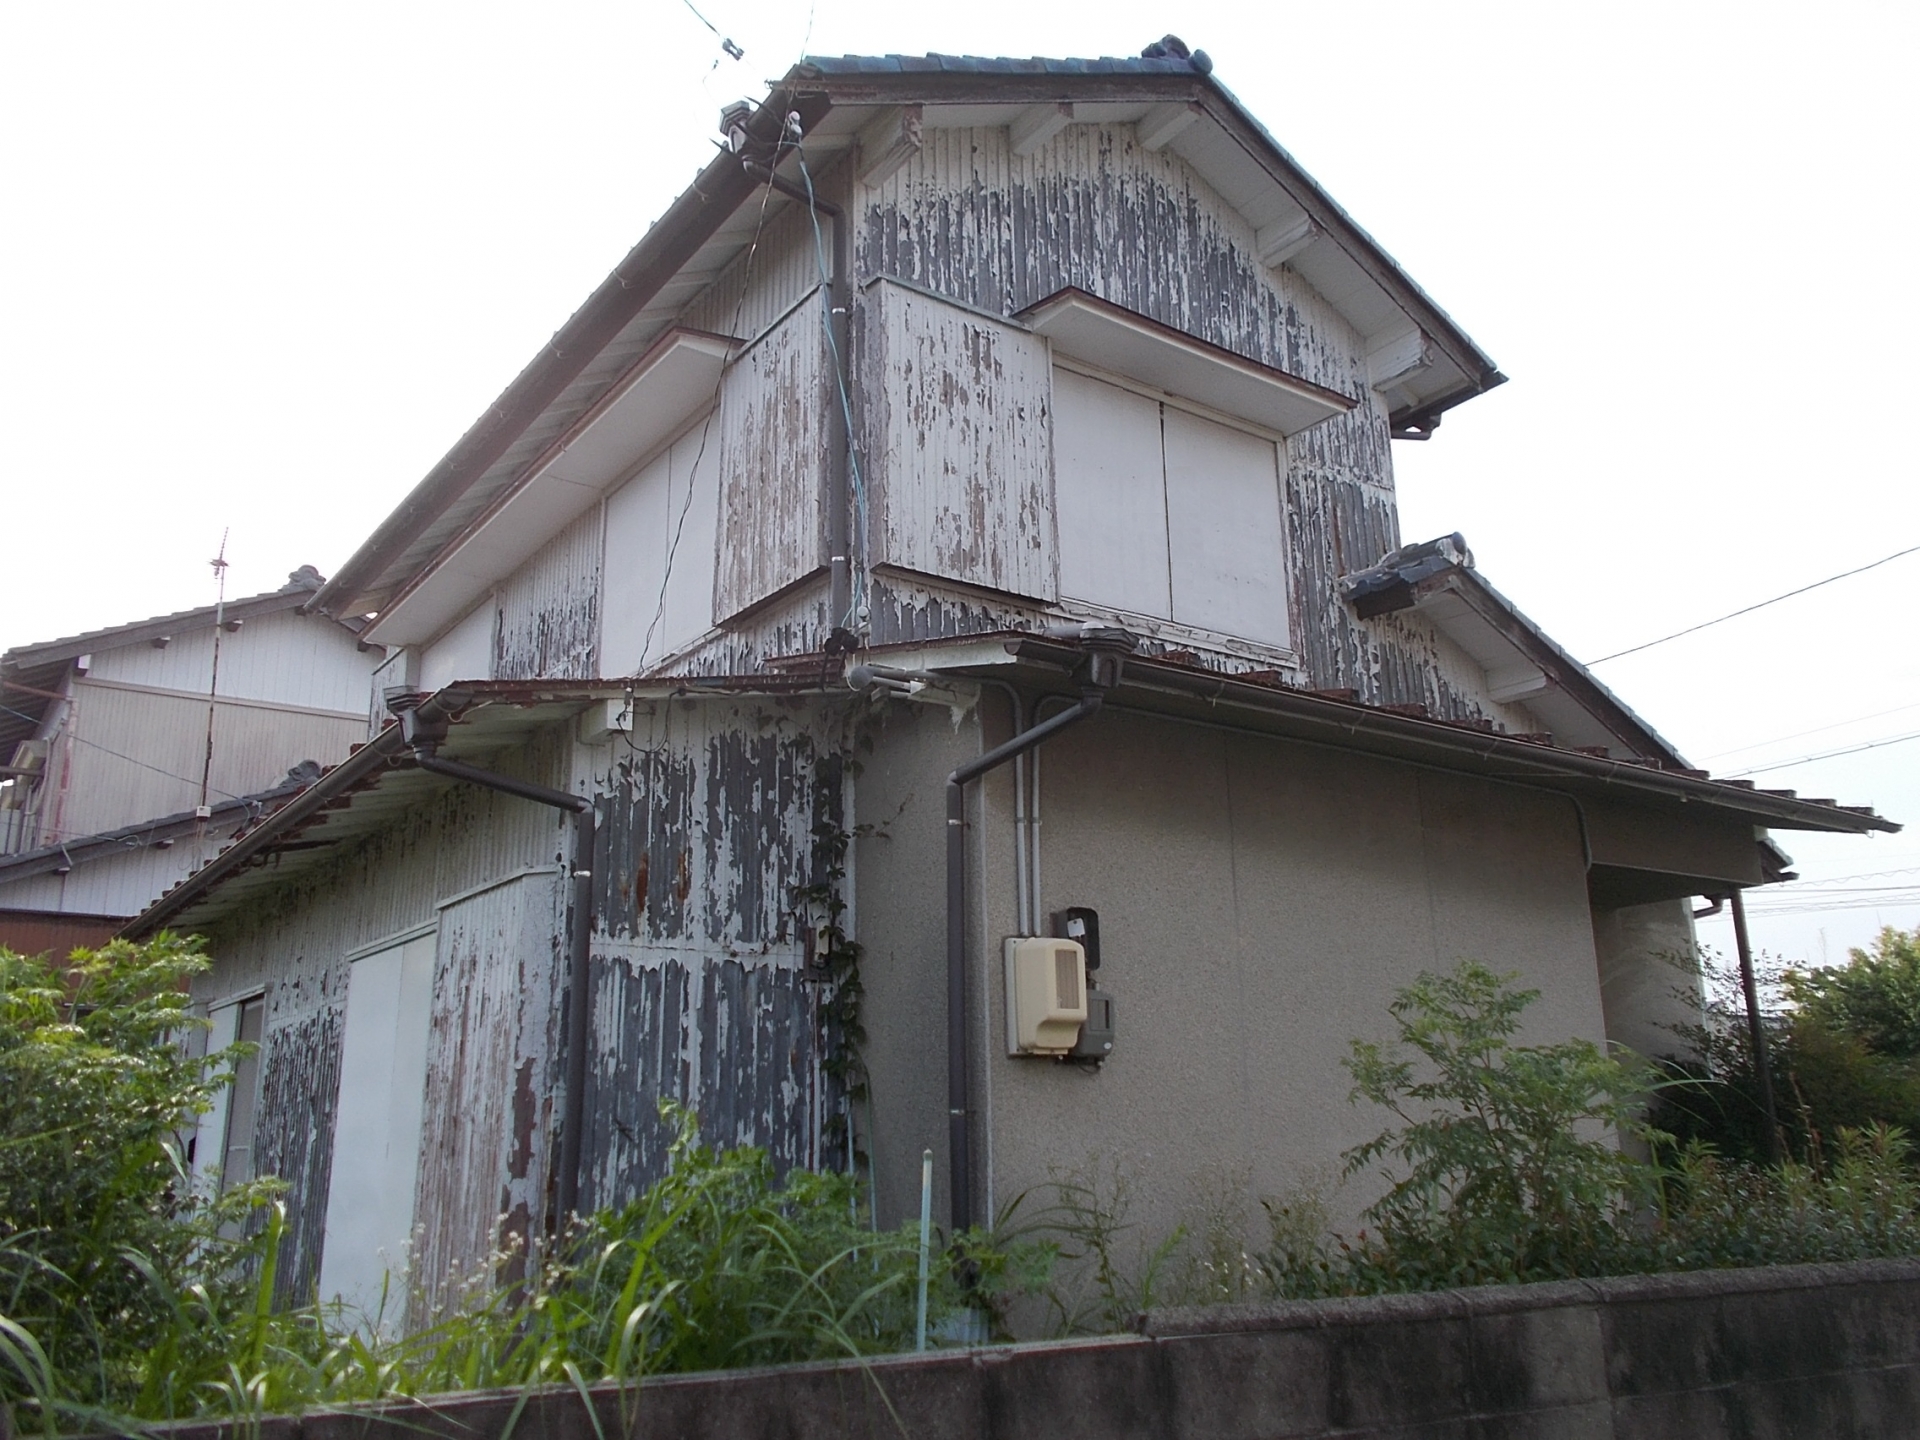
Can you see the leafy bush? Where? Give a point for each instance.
(1502, 1168)
(100, 1231)
(1841, 1048)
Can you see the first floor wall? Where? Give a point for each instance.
(1260, 902)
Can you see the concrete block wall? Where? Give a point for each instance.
(1812, 1350)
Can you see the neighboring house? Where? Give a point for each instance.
(1111, 456)
(135, 753)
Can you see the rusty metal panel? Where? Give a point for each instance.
(489, 1090)
(550, 609)
(293, 1133)
(958, 454)
(773, 446)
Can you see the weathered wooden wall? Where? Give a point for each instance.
(707, 827)
(295, 947)
(773, 446)
(549, 609)
(958, 459)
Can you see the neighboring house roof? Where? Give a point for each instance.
(370, 790)
(83, 849)
(1437, 579)
(835, 100)
(31, 674)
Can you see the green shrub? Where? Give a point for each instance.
(100, 1231)
(1840, 1048)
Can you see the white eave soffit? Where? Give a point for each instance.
(667, 386)
(1124, 342)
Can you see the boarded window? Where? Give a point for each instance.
(376, 1134)
(661, 531)
(1166, 513)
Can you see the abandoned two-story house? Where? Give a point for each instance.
(134, 753)
(984, 468)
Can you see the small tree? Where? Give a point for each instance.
(1505, 1165)
(100, 1231)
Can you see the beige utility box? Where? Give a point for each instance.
(1046, 994)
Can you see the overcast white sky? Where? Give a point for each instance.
(260, 266)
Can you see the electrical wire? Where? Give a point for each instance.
(706, 429)
(119, 755)
(1749, 609)
(857, 591)
(1824, 755)
(1816, 730)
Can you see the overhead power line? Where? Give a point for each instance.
(1816, 730)
(1824, 755)
(1749, 609)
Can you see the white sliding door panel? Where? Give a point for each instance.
(632, 568)
(1225, 531)
(1110, 496)
(376, 1136)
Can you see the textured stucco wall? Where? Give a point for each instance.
(1260, 903)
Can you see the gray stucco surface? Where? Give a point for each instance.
(1260, 903)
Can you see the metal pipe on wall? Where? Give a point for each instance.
(1105, 649)
(424, 729)
(1756, 1032)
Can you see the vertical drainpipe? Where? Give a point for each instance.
(1756, 1032)
(1106, 651)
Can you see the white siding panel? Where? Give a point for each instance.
(960, 472)
(549, 608)
(1224, 529)
(139, 755)
(488, 1085)
(635, 563)
(376, 1133)
(659, 568)
(288, 658)
(464, 653)
(1111, 491)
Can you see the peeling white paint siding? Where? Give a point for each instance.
(295, 945)
(959, 410)
(492, 1038)
(707, 825)
(549, 609)
(772, 435)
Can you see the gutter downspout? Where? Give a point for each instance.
(423, 733)
(840, 615)
(1756, 1033)
(1106, 651)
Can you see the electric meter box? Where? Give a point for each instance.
(1046, 994)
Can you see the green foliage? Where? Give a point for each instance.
(1874, 997)
(1504, 1164)
(1501, 1169)
(822, 907)
(1840, 1050)
(101, 1235)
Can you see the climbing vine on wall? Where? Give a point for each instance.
(833, 961)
